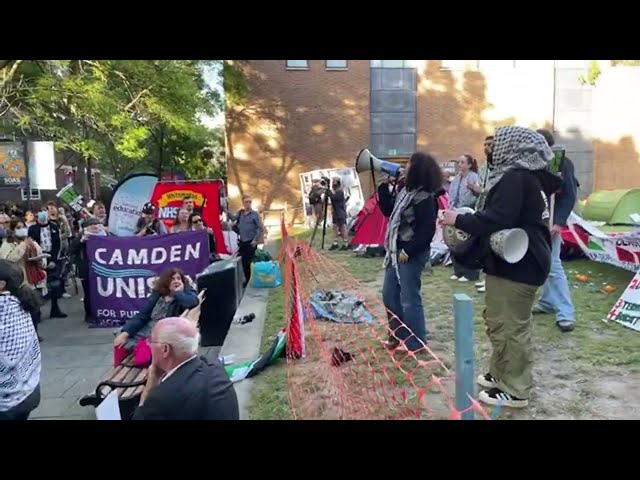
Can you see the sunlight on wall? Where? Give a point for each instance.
(616, 103)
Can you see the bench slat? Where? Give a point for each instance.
(130, 392)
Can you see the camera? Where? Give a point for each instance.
(325, 182)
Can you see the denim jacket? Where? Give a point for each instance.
(188, 298)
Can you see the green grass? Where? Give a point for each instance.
(270, 393)
(594, 346)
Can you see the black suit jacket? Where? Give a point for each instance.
(198, 390)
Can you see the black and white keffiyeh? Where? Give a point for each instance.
(404, 199)
(20, 360)
(517, 147)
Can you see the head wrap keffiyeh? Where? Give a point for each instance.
(517, 147)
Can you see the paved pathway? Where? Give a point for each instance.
(75, 357)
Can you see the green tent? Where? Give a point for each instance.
(612, 206)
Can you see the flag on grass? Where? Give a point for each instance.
(248, 369)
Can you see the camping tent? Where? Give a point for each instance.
(612, 206)
(370, 225)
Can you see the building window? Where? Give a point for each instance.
(297, 64)
(392, 64)
(336, 64)
(496, 64)
(35, 194)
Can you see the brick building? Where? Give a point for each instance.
(302, 115)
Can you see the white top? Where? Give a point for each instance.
(20, 360)
(172, 371)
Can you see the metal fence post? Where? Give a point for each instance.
(465, 381)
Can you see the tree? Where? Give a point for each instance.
(593, 72)
(124, 115)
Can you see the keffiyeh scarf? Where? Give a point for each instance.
(517, 147)
(391, 240)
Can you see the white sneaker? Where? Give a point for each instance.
(66, 295)
(453, 277)
(463, 279)
(482, 290)
(480, 284)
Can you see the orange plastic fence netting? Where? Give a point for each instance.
(338, 367)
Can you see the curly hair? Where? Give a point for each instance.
(424, 171)
(163, 283)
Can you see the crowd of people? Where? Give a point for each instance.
(37, 251)
(513, 189)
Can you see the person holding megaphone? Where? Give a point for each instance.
(519, 185)
(412, 209)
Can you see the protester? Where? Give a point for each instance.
(519, 184)
(481, 190)
(5, 220)
(338, 214)
(412, 213)
(197, 223)
(249, 229)
(91, 227)
(29, 218)
(189, 204)
(316, 201)
(20, 360)
(172, 294)
(556, 296)
(148, 224)
(46, 233)
(462, 194)
(181, 385)
(27, 255)
(99, 211)
(181, 223)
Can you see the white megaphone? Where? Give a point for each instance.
(367, 161)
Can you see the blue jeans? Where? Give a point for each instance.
(556, 297)
(403, 299)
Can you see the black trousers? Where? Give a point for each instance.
(35, 318)
(87, 299)
(23, 409)
(247, 252)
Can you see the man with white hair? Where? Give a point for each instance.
(181, 385)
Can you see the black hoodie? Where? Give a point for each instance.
(518, 200)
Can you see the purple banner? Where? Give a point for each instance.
(123, 269)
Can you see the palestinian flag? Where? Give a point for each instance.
(248, 369)
(296, 323)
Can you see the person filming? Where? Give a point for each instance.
(412, 210)
(338, 214)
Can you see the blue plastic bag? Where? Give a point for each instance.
(266, 275)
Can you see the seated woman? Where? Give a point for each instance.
(20, 358)
(171, 295)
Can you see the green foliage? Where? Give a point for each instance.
(593, 72)
(235, 84)
(125, 115)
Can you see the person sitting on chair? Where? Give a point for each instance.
(171, 295)
(181, 385)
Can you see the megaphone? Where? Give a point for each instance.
(367, 161)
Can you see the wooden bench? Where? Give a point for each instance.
(129, 382)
